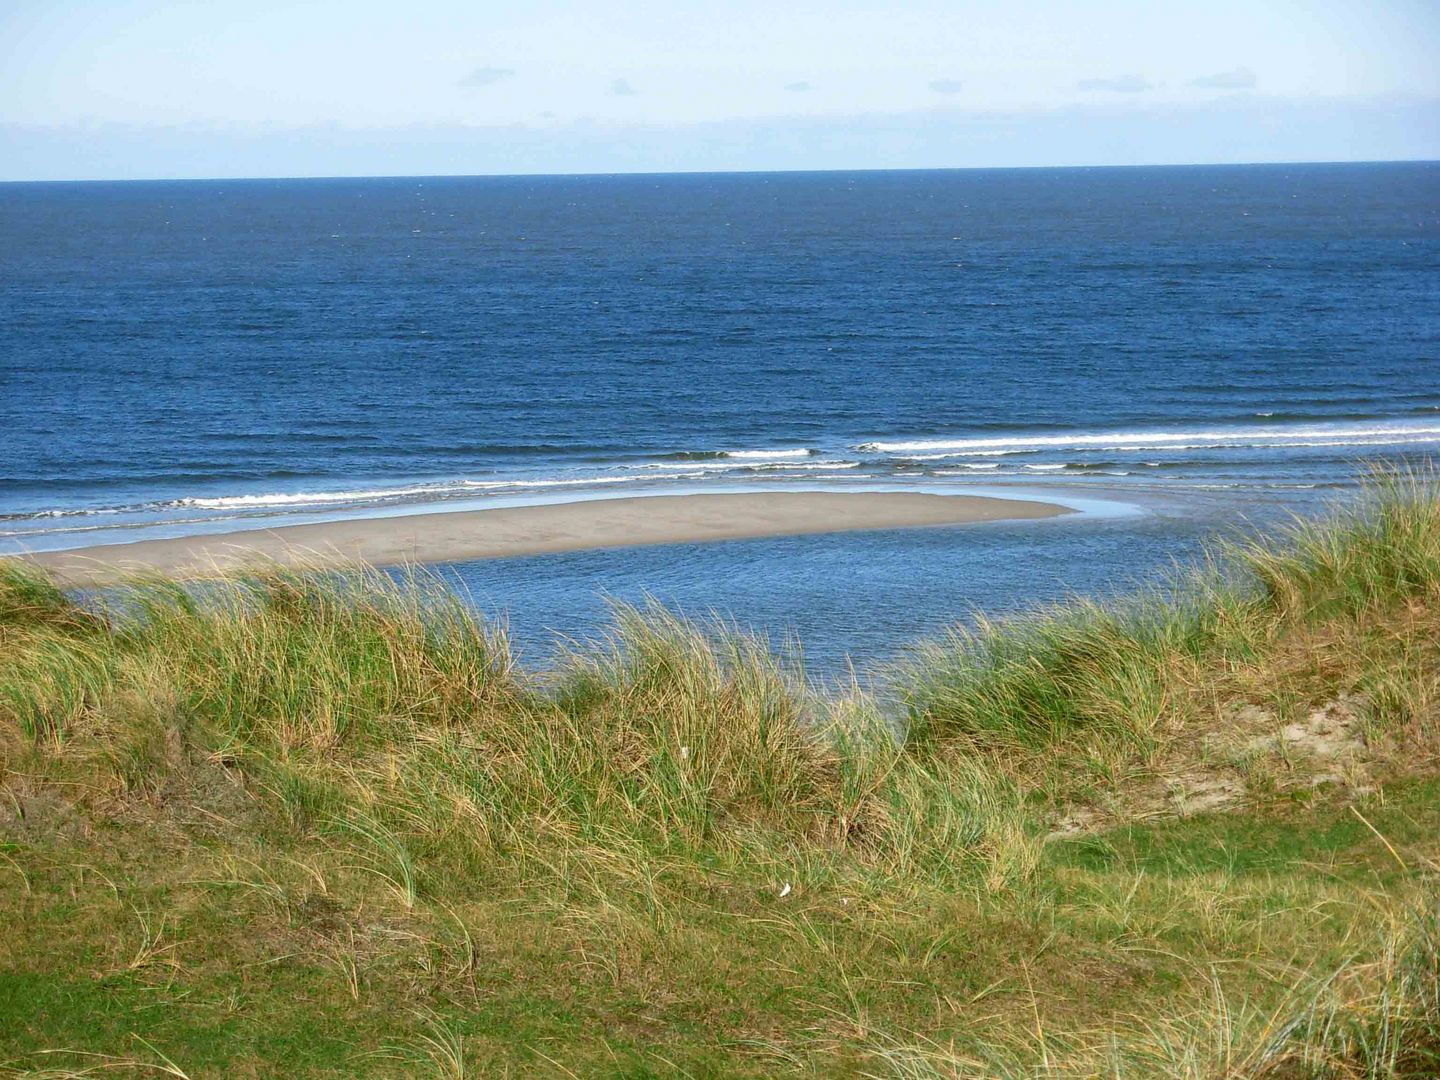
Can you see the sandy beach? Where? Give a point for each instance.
(532, 530)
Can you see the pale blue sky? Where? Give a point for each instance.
(143, 88)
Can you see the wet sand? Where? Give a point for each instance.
(533, 530)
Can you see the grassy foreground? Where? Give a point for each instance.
(318, 824)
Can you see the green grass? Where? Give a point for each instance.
(318, 822)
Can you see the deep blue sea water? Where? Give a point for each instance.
(1182, 346)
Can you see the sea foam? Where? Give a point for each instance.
(1205, 438)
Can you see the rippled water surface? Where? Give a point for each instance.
(1200, 342)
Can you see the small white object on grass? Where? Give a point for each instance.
(785, 891)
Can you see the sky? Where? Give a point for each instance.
(117, 89)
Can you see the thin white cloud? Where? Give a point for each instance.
(1240, 78)
(487, 76)
(1121, 84)
(947, 86)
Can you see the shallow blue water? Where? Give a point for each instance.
(1199, 341)
(844, 599)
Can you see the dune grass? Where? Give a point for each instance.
(319, 822)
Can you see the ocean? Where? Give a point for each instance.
(1173, 351)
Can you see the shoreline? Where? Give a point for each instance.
(509, 532)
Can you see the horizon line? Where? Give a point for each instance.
(722, 172)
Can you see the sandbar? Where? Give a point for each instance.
(459, 536)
